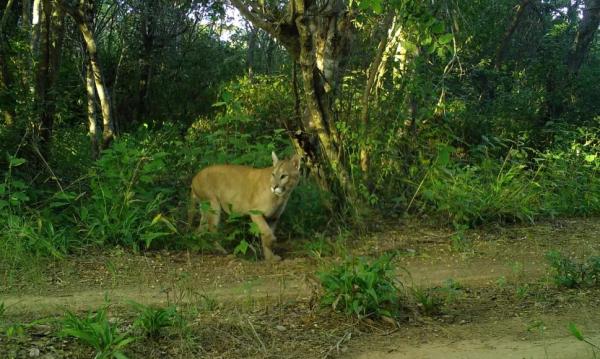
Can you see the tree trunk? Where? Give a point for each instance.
(251, 49)
(50, 39)
(370, 82)
(147, 29)
(5, 15)
(93, 128)
(322, 40)
(316, 35)
(6, 79)
(585, 35)
(84, 26)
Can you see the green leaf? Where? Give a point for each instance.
(575, 331)
(438, 27)
(446, 38)
(219, 104)
(119, 355)
(590, 158)
(254, 230)
(241, 248)
(14, 161)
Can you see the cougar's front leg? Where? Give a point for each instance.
(272, 222)
(267, 237)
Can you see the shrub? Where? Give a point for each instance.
(362, 288)
(24, 232)
(126, 198)
(523, 185)
(572, 274)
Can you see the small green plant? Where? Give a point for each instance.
(429, 301)
(207, 303)
(362, 288)
(95, 330)
(319, 247)
(152, 320)
(579, 335)
(572, 274)
(460, 242)
(522, 290)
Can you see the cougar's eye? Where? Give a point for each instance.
(283, 176)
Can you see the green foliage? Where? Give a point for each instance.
(247, 126)
(573, 274)
(25, 234)
(125, 202)
(152, 320)
(472, 194)
(97, 331)
(362, 288)
(430, 301)
(579, 336)
(526, 184)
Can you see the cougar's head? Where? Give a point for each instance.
(285, 174)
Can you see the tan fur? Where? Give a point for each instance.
(261, 193)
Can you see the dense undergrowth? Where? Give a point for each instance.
(135, 196)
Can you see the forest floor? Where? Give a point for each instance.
(498, 302)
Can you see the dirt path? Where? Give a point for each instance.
(505, 348)
(491, 321)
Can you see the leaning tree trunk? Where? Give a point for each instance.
(84, 25)
(107, 124)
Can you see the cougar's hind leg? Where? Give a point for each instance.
(211, 216)
(192, 208)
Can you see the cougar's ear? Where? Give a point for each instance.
(274, 157)
(296, 161)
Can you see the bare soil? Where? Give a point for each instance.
(504, 304)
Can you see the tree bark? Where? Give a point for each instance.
(148, 32)
(6, 79)
(5, 15)
(84, 25)
(316, 35)
(50, 37)
(93, 128)
(26, 14)
(585, 35)
(370, 82)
